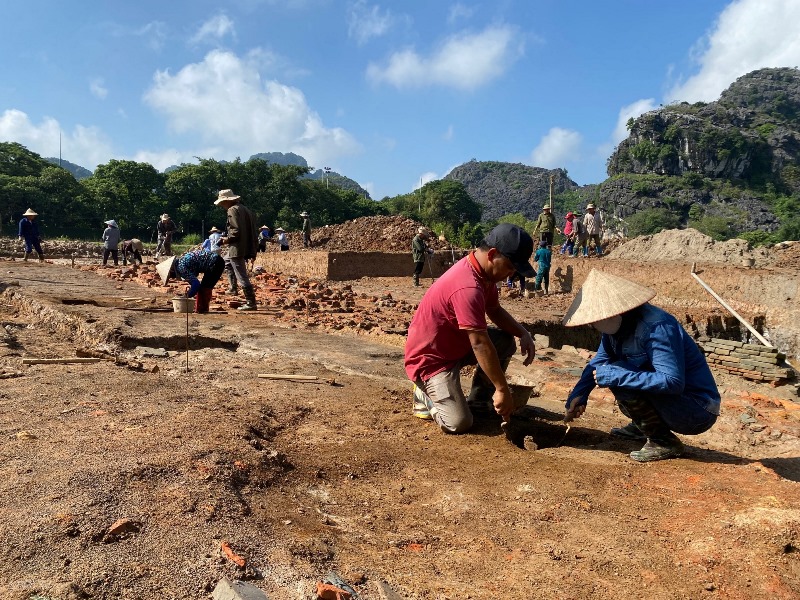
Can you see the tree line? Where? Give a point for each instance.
(136, 194)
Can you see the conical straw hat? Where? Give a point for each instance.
(164, 268)
(603, 296)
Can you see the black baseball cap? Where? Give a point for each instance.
(515, 244)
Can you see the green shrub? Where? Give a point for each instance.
(191, 239)
(717, 228)
(757, 238)
(650, 221)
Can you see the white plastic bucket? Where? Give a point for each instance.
(183, 305)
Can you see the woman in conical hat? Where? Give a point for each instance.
(658, 375)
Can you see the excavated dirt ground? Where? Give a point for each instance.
(302, 478)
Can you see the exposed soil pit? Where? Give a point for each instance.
(301, 478)
(178, 342)
(535, 428)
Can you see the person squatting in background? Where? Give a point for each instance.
(132, 250)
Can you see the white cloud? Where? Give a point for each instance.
(557, 148)
(426, 177)
(464, 61)
(631, 111)
(97, 88)
(448, 135)
(224, 100)
(459, 11)
(154, 34)
(366, 22)
(748, 35)
(213, 30)
(85, 146)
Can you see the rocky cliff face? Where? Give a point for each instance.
(505, 188)
(751, 134)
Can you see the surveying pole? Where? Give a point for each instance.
(551, 193)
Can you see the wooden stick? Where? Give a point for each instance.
(733, 312)
(49, 361)
(285, 376)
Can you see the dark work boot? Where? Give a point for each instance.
(415, 277)
(233, 285)
(27, 254)
(661, 442)
(250, 296)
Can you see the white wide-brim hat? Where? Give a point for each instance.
(164, 268)
(226, 196)
(603, 296)
(304, 214)
(214, 230)
(164, 217)
(111, 223)
(30, 213)
(280, 229)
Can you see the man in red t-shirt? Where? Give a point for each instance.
(449, 330)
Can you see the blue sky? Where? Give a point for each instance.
(389, 94)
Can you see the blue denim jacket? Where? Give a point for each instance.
(658, 357)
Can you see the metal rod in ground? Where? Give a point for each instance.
(187, 342)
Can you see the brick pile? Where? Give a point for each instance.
(293, 300)
(750, 361)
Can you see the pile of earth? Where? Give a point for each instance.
(367, 234)
(12, 246)
(689, 245)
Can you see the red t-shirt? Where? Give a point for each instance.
(438, 337)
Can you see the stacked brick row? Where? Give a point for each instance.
(750, 361)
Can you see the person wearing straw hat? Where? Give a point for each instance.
(264, 236)
(132, 251)
(593, 223)
(165, 228)
(282, 239)
(449, 330)
(569, 234)
(211, 243)
(111, 237)
(657, 373)
(306, 229)
(419, 250)
(29, 234)
(193, 263)
(545, 226)
(240, 239)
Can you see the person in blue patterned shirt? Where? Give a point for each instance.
(190, 265)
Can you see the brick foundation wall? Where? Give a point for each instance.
(340, 266)
(750, 361)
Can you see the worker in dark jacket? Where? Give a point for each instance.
(166, 229)
(29, 233)
(419, 250)
(658, 375)
(242, 245)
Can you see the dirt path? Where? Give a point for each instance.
(303, 478)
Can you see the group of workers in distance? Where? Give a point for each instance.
(655, 370)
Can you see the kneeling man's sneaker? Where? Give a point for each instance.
(658, 450)
(422, 406)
